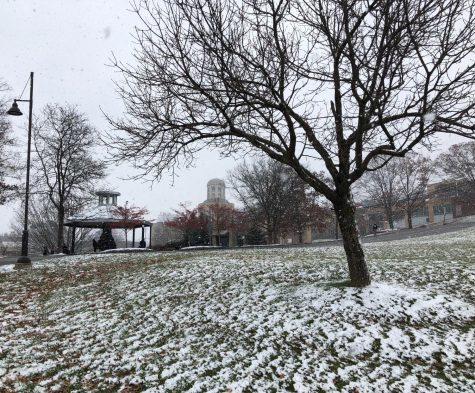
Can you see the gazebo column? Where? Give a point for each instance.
(133, 237)
(73, 240)
(143, 234)
(150, 236)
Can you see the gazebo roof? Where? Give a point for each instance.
(107, 193)
(101, 216)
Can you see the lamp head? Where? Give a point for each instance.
(14, 110)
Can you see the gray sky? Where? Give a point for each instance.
(68, 44)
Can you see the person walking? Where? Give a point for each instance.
(375, 229)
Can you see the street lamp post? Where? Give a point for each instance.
(24, 261)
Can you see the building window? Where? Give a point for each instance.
(421, 212)
(440, 210)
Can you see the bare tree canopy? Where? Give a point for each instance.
(400, 185)
(340, 81)
(276, 200)
(459, 163)
(264, 189)
(66, 169)
(412, 179)
(43, 227)
(382, 187)
(7, 166)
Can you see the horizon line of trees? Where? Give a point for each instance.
(275, 202)
(400, 186)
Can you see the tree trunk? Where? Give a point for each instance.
(60, 234)
(409, 219)
(358, 269)
(390, 218)
(270, 236)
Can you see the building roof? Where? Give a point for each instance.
(107, 193)
(100, 216)
(216, 181)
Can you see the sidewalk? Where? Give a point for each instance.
(11, 259)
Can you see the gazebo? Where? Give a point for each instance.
(104, 216)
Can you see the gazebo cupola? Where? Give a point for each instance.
(107, 197)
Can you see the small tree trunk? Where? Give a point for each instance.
(270, 236)
(390, 217)
(409, 219)
(60, 235)
(358, 269)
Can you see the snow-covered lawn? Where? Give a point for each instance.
(244, 320)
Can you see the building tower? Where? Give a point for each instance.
(216, 206)
(216, 191)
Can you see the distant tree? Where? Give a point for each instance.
(382, 187)
(129, 218)
(192, 223)
(221, 217)
(303, 209)
(7, 165)
(254, 235)
(264, 189)
(458, 164)
(342, 82)
(414, 172)
(275, 198)
(43, 226)
(66, 169)
(240, 224)
(164, 234)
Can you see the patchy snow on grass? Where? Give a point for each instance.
(244, 320)
(126, 249)
(6, 268)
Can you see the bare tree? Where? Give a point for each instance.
(382, 187)
(458, 164)
(264, 189)
(66, 170)
(413, 176)
(43, 227)
(7, 166)
(220, 218)
(274, 198)
(339, 81)
(304, 210)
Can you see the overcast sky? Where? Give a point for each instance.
(68, 44)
